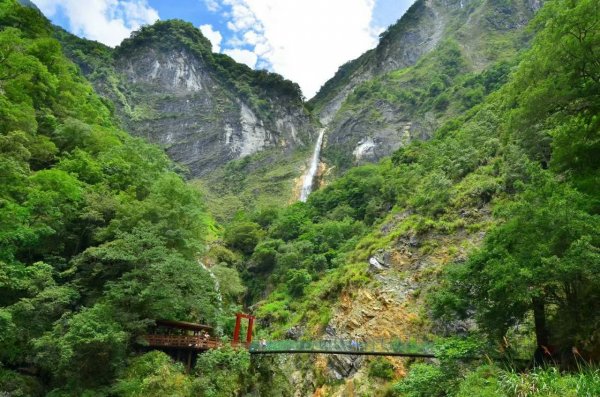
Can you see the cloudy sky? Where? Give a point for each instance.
(303, 40)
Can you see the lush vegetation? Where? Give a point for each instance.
(267, 179)
(100, 235)
(520, 163)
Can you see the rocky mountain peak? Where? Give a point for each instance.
(204, 108)
(384, 99)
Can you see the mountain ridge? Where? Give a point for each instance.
(484, 234)
(203, 108)
(207, 110)
(384, 99)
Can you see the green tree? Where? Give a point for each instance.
(84, 350)
(153, 374)
(297, 281)
(264, 257)
(555, 118)
(221, 372)
(544, 261)
(243, 236)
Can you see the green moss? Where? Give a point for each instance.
(143, 112)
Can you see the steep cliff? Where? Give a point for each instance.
(490, 229)
(421, 73)
(402, 45)
(203, 108)
(206, 110)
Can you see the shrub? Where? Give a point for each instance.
(423, 380)
(297, 280)
(381, 368)
(243, 236)
(154, 374)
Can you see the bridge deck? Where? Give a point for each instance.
(377, 347)
(345, 352)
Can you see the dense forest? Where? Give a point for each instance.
(100, 234)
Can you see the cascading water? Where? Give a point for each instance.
(217, 289)
(309, 178)
(215, 279)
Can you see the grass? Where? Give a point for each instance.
(550, 382)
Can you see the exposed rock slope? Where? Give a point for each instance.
(203, 108)
(402, 90)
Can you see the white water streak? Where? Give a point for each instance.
(309, 178)
(215, 279)
(217, 289)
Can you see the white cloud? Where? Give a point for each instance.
(242, 17)
(212, 5)
(214, 36)
(107, 21)
(242, 56)
(251, 37)
(305, 41)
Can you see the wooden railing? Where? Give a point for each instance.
(182, 341)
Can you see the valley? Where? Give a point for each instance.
(440, 189)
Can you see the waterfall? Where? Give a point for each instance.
(219, 329)
(215, 279)
(309, 178)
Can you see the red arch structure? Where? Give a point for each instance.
(238, 326)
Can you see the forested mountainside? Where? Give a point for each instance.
(205, 110)
(99, 234)
(489, 228)
(483, 237)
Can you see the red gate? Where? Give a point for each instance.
(238, 325)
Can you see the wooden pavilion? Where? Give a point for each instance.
(181, 340)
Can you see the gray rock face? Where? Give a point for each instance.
(367, 120)
(379, 261)
(175, 100)
(344, 366)
(169, 88)
(536, 4)
(294, 333)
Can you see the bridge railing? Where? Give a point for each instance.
(342, 346)
(396, 346)
(181, 341)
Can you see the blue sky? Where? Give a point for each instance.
(303, 40)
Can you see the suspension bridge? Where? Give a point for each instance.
(369, 347)
(184, 341)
